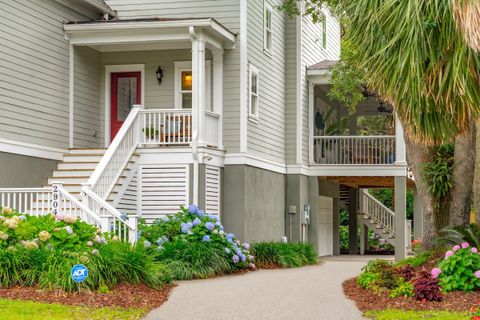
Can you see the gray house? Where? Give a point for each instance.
(137, 107)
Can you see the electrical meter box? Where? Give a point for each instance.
(305, 218)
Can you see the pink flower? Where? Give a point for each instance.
(59, 217)
(474, 250)
(456, 248)
(89, 243)
(435, 272)
(94, 251)
(448, 254)
(477, 274)
(465, 245)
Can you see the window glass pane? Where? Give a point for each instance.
(126, 96)
(253, 107)
(254, 83)
(268, 45)
(186, 80)
(187, 100)
(268, 18)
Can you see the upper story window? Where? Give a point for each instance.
(253, 92)
(267, 27)
(324, 31)
(184, 84)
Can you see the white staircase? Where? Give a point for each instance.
(379, 218)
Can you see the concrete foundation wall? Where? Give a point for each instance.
(254, 203)
(17, 171)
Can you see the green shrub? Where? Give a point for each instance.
(195, 245)
(402, 289)
(460, 269)
(366, 279)
(416, 261)
(459, 234)
(286, 255)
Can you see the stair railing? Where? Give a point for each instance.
(378, 212)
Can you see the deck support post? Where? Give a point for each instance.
(353, 221)
(400, 217)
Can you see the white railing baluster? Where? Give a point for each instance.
(379, 213)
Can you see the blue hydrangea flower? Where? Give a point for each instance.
(230, 240)
(206, 238)
(235, 245)
(22, 217)
(239, 252)
(227, 250)
(185, 228)
(196, 222)
(165, 239)
(192, 209)
(69, 229)
(165, 218)
(189, 224)
(159, 241)
(210, 226)
(230, 236)
(147, 244)
(243, 257)
(200, 213)
(246, 246)
(235, 259)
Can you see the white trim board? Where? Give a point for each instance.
(109, 69)
(32, 150)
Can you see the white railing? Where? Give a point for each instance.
(166, 127)
(43, 201)
(111, 220)
(378, 212)
(117, 156)
(354, 150)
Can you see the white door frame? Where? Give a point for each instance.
(109, 69)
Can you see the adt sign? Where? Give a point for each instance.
(79, 273)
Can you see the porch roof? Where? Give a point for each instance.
(319, 73)
(99, 33)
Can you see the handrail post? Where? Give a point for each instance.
(132, 233)
(400, 150)
(56, 197)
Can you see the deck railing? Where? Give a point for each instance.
(166, 126)
(354, 150)
(378, 212)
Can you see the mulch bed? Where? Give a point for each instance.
(367, 300)
(124, 296)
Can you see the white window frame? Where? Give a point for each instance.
(181, 66)
(253, 112)
(267, 47)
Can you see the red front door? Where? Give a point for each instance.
(125, 92)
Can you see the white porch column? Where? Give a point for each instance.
(400, 150)
(311, 115)
(71, 69)
(400, 217)
(218, 92)
(198, 86)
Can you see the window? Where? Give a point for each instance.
(267, 28)
(183, 85)
(324, 31)
(253, 92)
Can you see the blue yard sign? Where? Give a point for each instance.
(79, 273)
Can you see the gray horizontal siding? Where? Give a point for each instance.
(291, 71)
(34, 71)
(266, 139)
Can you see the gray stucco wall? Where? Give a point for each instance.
(254, 203)
(17, 171)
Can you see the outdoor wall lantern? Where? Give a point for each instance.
(159, 74)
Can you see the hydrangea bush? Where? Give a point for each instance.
(192, 225)
(459, 270)
(60, 231)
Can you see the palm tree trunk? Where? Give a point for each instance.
(463, 167)
(419, 154)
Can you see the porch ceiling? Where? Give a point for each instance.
(369, 182)
(141, 34)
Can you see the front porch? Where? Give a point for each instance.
(174, 68)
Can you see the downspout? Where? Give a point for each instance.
(196, 117)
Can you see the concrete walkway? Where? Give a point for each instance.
(309, 293)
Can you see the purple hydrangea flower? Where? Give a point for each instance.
(448, 254)
(227, 250)
(196, 222)
(210, 226)
(246, 246)
(239, 252)
(477, 274)
(206, 238)
(465, 245)
(235, 259)
(69, 229)
(435, 272)
(456, 248)
(243, 258)
(192, 209)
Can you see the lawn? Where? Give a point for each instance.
(19, 310)
(415, 315)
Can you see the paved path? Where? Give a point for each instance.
(309, 293)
